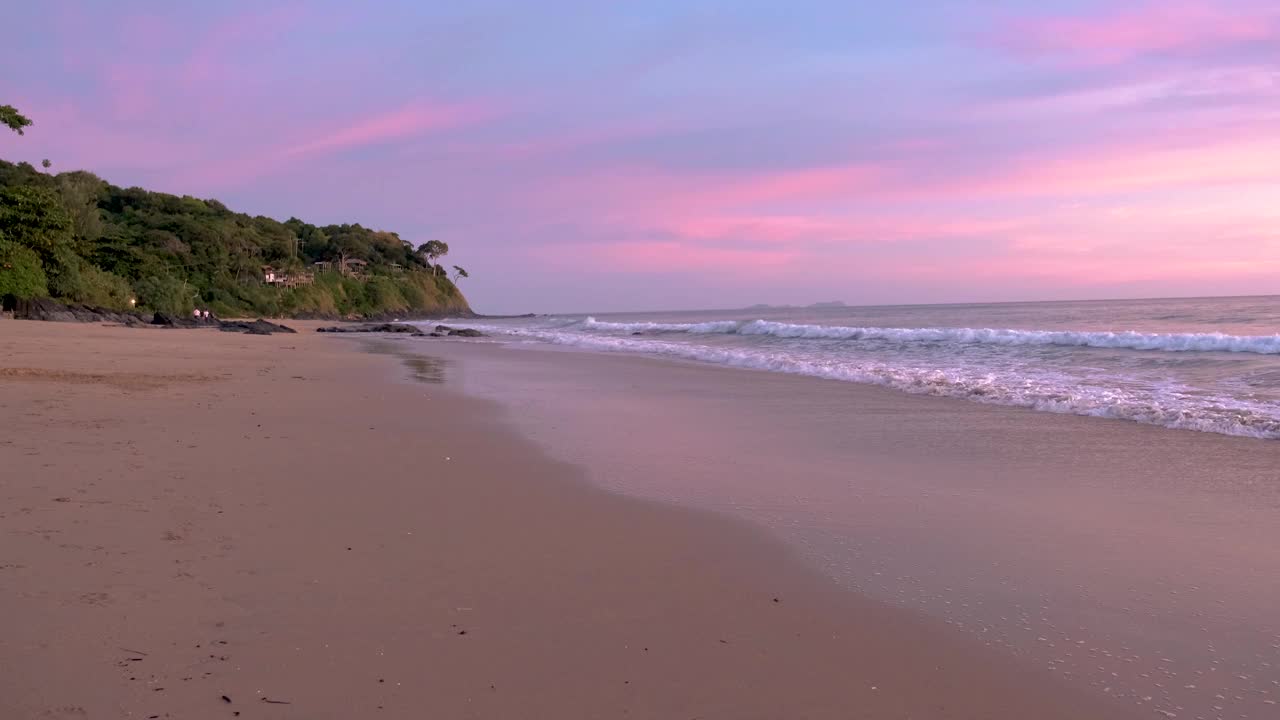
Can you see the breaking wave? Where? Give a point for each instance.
(1170, 406)
(1129, 340)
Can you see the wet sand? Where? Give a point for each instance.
(1134, 562)
(198, 524)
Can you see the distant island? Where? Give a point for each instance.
(77, 238)
(817, 305)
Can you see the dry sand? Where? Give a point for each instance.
(192, 517)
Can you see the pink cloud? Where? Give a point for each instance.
(663, 256)
(270, 155)
(1135, 167)
(648, 195)
(1157, 27)
(824, 229)
(406, 122)
(813, 203)
(69, 134)
(771, 228)
(218, 47)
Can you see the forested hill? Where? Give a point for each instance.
(75, 237)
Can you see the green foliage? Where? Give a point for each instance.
(80, 193)
(166, 294)
(433, 249)
(72, 278)
(382, 295)
(21, 273)
(33, 216)
(93, 239)
(10, 117)
(63, 268)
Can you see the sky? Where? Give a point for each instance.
(586, 155)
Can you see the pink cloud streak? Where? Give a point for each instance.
(1157, 27)
(398, 124)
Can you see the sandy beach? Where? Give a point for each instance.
(207, 525)
(1132, 562)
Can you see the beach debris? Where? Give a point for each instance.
(276, 702)
(226, 699)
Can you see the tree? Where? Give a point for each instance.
(46, 164)
(80, 192)
(78, 238)
(21, 273)
(458, 273)
(33, 216)
(15, 120)
(165, 294)
(432, 249)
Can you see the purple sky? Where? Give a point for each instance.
(592, 155)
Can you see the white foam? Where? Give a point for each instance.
(703, 328)
(1170, 406)
(1130, 340)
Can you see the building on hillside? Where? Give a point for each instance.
(283, 278)
(353, 267)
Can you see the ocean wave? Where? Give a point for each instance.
(1045, 391)
(717, 327)
(1124, 340)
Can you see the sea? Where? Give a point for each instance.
(1135, 562)
(1204, 364)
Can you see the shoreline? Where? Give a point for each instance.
(1138, 562)
(274, 518)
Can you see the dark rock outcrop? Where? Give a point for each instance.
(254, 327)
(458, 332)
(53, 311)
(174, 321)
(440, 331)
(250, 327)
(374, 328)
